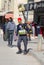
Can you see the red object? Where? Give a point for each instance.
(42, 31)
(19, 19)
(8, 15)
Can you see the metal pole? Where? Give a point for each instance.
(23, 12)
(27, 9)
(39, 47)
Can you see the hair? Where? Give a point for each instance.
(11, 19)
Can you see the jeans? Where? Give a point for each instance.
(10, 37)
(24, 39)
(38, 31)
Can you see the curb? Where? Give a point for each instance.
(35, 55)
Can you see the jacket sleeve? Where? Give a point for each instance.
(7, 27)
(17, 30)
(15, 27)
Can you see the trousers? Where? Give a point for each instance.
(10, 36)
(25, 41)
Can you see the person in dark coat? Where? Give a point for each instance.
(22, 36)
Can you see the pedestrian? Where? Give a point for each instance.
(22, 36)
(3, 28)
(5, 37)
(11, 27)
(29, 29)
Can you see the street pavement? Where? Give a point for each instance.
(39, 55)
(8, 55)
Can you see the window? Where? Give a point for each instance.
(30, 0)
(42, 0)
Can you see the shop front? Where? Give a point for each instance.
(39, 19)
(38, 8)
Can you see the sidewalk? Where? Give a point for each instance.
(39, 55)
(33, 45)
(8, 55)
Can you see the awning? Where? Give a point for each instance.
(9, 15)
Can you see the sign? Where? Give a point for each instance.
(33, 6)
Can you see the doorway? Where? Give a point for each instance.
(2, 21)
(39, 19)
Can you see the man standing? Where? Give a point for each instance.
(22, 36)
(10, 28)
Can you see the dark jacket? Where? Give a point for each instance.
(19, 26)
(22, 26)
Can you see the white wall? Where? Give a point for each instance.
(0, 4)
(22, 1)
(16, 11)
(37, 0)
(4, 4)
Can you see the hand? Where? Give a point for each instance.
(27, 34)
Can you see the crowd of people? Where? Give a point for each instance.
(22, 31)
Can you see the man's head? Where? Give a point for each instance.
(19, 20)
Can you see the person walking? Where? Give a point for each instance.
(11, 27)
(22, 36)
(5, 37)
(29, 29)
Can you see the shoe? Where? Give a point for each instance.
(26, 51)
(11, 46)
(29, 39)
(19, 52)
(8, 44)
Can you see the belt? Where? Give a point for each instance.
(23, 35)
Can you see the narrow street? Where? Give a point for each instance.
(23, 18)
(8, 56)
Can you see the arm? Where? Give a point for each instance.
(7, 27)
(17, 30)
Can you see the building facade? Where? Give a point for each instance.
(16, 11)
(12, 6)
(6, 5)
(34, 10)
